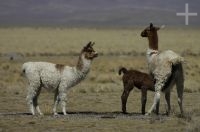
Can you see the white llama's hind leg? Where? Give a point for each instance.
(35, 101)
(56, 101)
(31, 97)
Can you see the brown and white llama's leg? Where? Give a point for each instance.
(158, 86)
(156, 100)
(167, 97)
(156, 109)
(180, 100)
(180, 86)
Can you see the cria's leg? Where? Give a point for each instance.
(62, 97)
(56, 101)
(124, 97)
(143, 98)
(167, 97)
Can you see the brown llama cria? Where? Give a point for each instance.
(134, 78)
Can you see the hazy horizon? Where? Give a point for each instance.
(96, 13)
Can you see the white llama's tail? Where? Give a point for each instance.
(172, 57)
(177, 60)
(24, 68)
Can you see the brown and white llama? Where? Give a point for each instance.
(134, 78)
(166, 69)
(57, 77)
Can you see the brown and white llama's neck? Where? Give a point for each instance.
(153, 41)
(83, 64)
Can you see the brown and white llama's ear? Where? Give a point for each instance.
(161, 27)
(151, 26)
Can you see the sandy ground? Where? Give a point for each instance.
(95, 104)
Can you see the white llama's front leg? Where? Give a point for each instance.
(62, 97)
(31, 107)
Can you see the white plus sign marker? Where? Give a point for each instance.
(186, 14)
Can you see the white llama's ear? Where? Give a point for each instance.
(88, 45)
(92, 43)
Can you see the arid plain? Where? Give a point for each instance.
(95, 104)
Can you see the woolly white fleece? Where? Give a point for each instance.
(44, 74)
(160, 66)
(160, 63)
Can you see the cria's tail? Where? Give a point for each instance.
(122, 70)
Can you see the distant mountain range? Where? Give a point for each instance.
(96, 12)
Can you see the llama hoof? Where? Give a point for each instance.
(147, 114)
(155, 112)
(65, 114)
(167, 113)
(41, 114)
(124, 112)
(55, 114)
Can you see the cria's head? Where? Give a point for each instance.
(88, 51)
(150, 30)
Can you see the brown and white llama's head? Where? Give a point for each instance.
(150, 31)
(88, 51)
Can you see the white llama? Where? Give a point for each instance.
(166, 68)
(57, 77)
